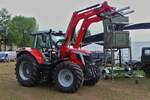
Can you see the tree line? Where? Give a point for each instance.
(16, 30)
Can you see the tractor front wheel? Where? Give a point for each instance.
(68, 77)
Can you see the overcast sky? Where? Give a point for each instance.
(56, 14)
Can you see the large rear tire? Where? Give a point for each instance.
(94, 79)
(27, 72)
(68, 77)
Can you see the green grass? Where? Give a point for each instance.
(118, 89)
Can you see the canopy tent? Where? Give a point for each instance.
(137, 26)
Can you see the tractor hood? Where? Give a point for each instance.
(79, 51)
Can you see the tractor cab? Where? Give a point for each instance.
(47, 43)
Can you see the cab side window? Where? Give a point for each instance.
(43, 41)
(147, 52)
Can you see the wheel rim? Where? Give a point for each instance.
(65, 77)
(24, 70)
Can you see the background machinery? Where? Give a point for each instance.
(145, 60)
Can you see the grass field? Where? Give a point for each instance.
(118, 89)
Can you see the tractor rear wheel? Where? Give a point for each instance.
(27, 72)
(68, 77)
(95, 78)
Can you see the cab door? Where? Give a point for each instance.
(43, 44)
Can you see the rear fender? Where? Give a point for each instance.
(33, 52)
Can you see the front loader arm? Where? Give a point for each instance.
(83, 29)
(89, 15)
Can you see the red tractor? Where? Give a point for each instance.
(53, 57)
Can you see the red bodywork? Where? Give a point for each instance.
(89, 16)
(34, 52)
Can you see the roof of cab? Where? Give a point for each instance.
(40, 32)
(47, 32)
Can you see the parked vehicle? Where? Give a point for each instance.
(145, 59)
(3, 57)
(7, 56)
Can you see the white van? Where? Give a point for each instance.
(7, 56)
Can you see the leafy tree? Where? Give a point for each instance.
(4, 22)
(16, 31)
(21, 29)
(13, 37)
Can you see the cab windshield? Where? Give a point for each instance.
(57, 38)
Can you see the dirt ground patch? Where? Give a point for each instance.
(118, 89)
